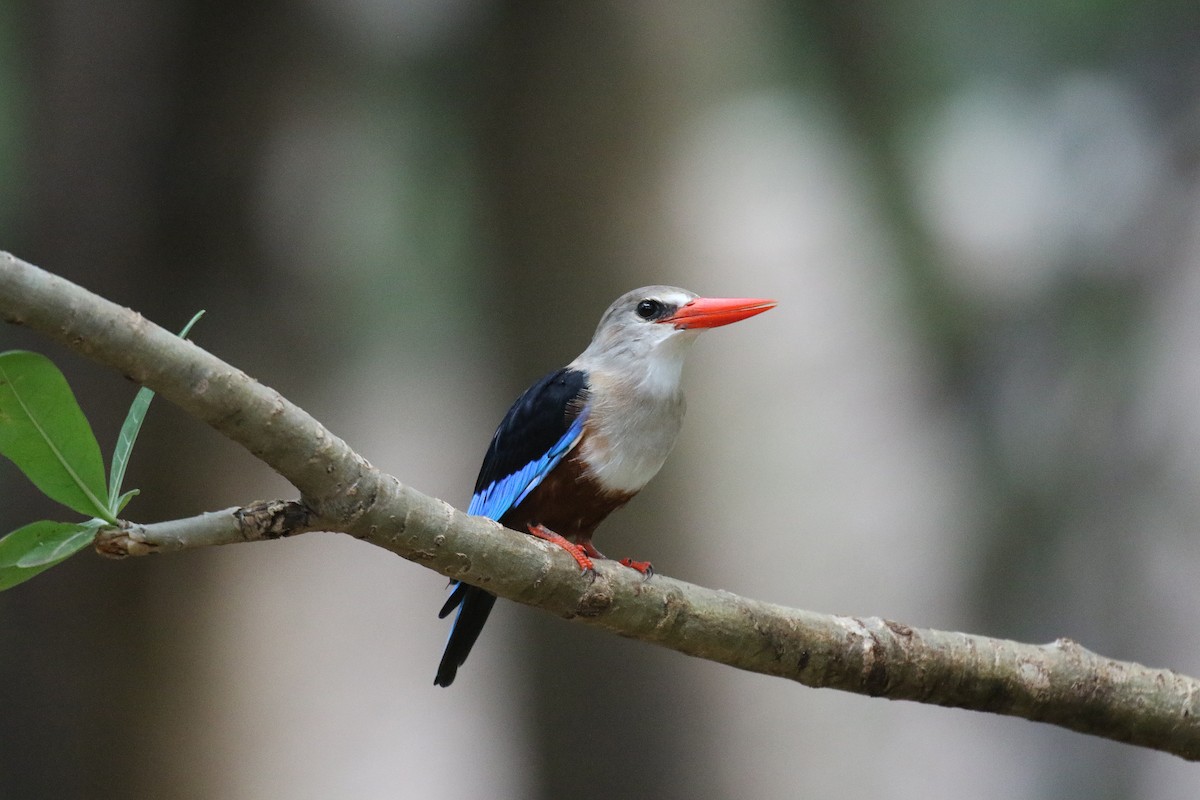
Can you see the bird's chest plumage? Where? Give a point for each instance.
(628, 436)
(623, 446)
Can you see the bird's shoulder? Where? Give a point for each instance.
(535, 423)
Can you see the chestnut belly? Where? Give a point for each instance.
(567, 502)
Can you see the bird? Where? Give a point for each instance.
(584, 439)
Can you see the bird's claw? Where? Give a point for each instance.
(644, 567)
(585, 551)
(577, 552)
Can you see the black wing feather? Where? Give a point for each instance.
(534, 424)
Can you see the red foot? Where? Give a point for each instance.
(644, 567)
(589, 548)
(578, 553)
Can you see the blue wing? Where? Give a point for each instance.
(499, 496)
(540, 429)
(543, 425)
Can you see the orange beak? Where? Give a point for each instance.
(713, 312)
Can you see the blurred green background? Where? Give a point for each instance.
(975, 407)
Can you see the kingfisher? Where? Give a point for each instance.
(582, 441)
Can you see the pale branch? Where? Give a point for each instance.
(272, 519)
(1060, 683)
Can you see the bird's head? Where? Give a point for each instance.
(646, 333)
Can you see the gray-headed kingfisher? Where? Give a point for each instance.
(583, 440)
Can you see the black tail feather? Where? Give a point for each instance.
(476, 605)
(454, 600)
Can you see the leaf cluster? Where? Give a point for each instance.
(46, 434)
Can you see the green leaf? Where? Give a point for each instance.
(44, 432)
(124, 499)
(66, 539)
(129, 434)
(125, 440)
(38, 546)
(188, 328)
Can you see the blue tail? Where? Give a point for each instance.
(473, 605)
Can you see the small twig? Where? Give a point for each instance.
(272, 519)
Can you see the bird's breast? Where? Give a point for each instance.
(626, 439)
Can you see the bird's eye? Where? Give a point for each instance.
(648, 309)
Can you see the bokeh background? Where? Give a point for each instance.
(977, 406)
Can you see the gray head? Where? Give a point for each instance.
(645, 335)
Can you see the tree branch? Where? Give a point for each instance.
(1060, 683)
(273, 519)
